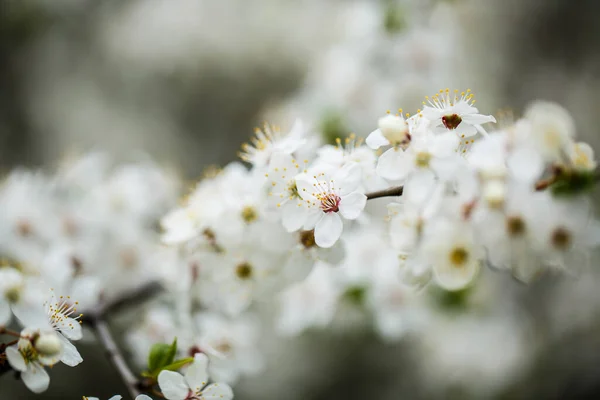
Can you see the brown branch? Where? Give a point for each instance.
(393, 191)
(4, 331)
(96, 319)
(116, 357)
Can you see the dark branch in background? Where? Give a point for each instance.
(116, 357)
(393, 191)
(96, 319)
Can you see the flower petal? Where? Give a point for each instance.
(328, 230)
(393, 164)
(119, 397)
(36, 378)
(196, 375)
(306, 187)
(71, 328)
(140, 397)
(347, 179)
(352, 205)
(450, 277)
(293, 215)
(70, 355)
(218, 391)
(477, 119)
(15, 359)
(376, 140)
(172, 385)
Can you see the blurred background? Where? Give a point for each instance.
(186, 81)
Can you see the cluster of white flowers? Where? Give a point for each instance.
(71, 241)
(295, 229)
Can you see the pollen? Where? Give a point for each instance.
(249, 214)
(459, 257)
(515, 226)
(561, 238)
(307, 239)
(244, 271)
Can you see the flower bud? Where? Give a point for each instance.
(494, 193)
(394, 128)
(48, 344)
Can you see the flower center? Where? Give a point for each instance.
(330, 202)
(244, 271)
(59, 311)
(24, 228)
(459, 256)
(249, 214)
(13, 293)
(293, 190)
(422, 159)
(224, 347)
(515, 226)
(451, 121)
(561, 238)
(307, 238)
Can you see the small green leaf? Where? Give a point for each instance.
(570, 183)
(161, 355)
(178, 364)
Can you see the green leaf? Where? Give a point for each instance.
(161, 355)
(178, 364)
(570, 183)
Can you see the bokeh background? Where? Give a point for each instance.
(185, 81)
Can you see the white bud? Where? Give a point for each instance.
(393, 128)
(48, 344)
(494, 193)
(552, 128)
(493, 172)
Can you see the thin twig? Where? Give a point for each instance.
(4, 331)
(96, 319)
(116, 357)
(393, 191)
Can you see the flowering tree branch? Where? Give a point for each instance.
(96, 319)
(116, 356)
(393, 191)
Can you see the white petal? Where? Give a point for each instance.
(393, 164)
(465, 130)
(70, 355)
(293, 215)
(526, 164)
(218, 391)
(140, 397)
(36, 378)
(119, 397)
(328, 230)
(477, 119)
(71, 328)
(352, 205)
(196, 375)
(450, 277)
(347, 178)
(5, 313)
(15, 359)
(376, 139)
(306, 186)
(172, 385)
(313, 217)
